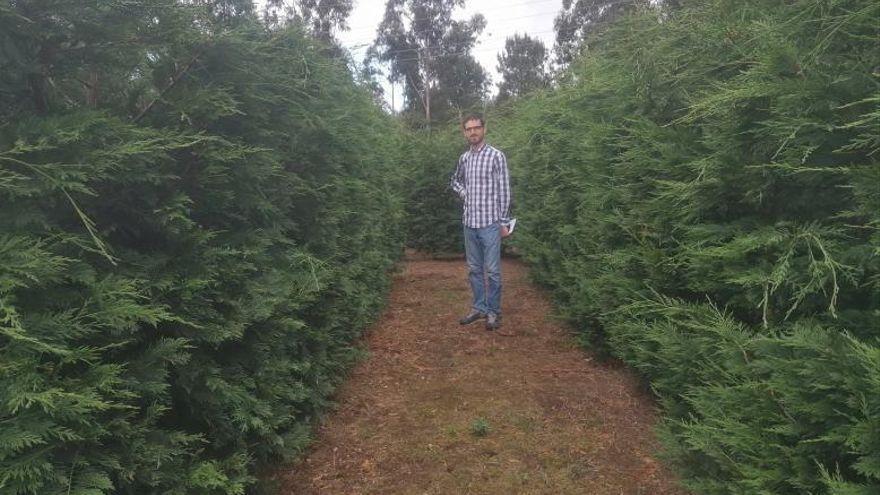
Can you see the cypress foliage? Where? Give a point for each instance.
(702, 194)
(197, 217)
(433, 212)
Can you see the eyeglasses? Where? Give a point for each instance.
(474, 128)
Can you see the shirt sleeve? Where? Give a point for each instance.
(503, 176)
(457, 181)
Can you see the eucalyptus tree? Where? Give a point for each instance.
(580, 17)
(320, 17)
(430, 53)
(522, 66)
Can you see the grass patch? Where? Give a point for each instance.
(480, 427)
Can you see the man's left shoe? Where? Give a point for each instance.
(471, 317)
(493, 321)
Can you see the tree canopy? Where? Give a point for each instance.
(430, 54)
(320, 17)
(522, 66)
(580, 17)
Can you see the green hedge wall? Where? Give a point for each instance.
(433, 211)
(196, 218)
(702, 194)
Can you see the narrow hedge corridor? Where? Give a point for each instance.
(438, 408)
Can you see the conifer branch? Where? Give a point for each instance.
(86, 221)
(177, 77)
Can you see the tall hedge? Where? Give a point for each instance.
(196, 218)
(433, 211)
(702, 194)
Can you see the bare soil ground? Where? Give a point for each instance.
(555, 420)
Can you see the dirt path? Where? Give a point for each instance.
(410, 416)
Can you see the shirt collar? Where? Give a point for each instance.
(481, 148)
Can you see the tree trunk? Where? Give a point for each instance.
(92, 89)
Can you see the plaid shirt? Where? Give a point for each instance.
(482, 181)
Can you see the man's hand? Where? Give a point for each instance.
(504, 231)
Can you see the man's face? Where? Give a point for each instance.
(474, 131)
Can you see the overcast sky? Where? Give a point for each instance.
(503, 19)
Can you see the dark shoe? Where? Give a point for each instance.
(472, 317)
(493, 321)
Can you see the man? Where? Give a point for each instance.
(482, 182)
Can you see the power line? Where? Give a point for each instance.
(479, 50)
(416, 19)
(538, 14)
(352, 49)
(495, 26)
(506, 6)
(361, 44)
(611, 3)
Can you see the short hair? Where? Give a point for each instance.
(473, 116)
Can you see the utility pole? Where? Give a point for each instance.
(392, 95)
(428, 82)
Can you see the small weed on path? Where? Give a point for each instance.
(480, 427)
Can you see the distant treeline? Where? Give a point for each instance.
(701, 192)
(197, 216)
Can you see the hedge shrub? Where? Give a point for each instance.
(433, 212)
(702, 194)
(197, 216)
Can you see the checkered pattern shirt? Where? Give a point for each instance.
(482, 181)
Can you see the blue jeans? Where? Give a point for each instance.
(482, 248)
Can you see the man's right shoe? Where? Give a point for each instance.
(472, 317)
(493, 321)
